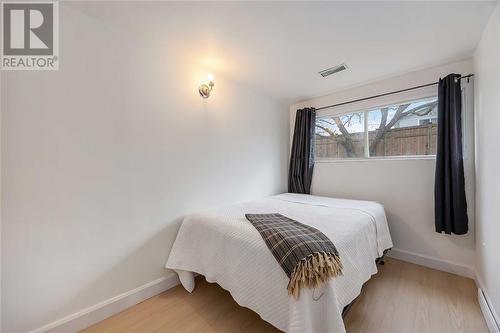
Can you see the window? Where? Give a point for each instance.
(404, 129)
(341, 137)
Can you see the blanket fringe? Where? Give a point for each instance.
(314, 270)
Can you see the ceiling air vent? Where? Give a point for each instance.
(333, 70)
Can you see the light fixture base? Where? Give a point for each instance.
(204, 91)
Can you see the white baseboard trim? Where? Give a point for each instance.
(489, 314)
(431, 262)
(95, 313)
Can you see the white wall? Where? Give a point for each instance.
(101, 158)
(404, 187)
(487, 99)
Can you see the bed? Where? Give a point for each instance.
(224, 247)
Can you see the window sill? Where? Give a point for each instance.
(389, 158)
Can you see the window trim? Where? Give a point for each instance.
(378, 158)
(365, 110)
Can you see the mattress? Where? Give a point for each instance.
(224, 247)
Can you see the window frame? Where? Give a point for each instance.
(365, 107)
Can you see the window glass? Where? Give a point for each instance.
(341, 137)
(404, 129)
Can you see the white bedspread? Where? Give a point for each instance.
(224, 247)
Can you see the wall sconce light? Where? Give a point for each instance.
(205, 89)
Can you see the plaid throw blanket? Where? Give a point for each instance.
(306, 255)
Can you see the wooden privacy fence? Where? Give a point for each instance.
(414, 140)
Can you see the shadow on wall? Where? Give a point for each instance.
(115, 280)
(401, 225)
(405, 188)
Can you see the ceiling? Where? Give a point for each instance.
(278, 47)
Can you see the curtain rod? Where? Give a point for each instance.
(389, 93)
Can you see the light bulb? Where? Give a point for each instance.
(210, 77)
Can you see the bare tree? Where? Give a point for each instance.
(345, 138)
(343, 135)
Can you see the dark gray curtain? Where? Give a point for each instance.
(449, 190)
(302, 157)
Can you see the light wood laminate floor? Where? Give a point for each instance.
(402, 297)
